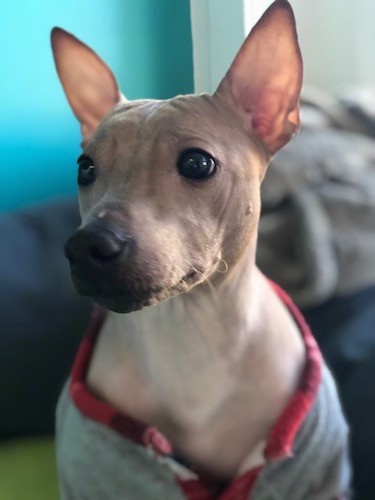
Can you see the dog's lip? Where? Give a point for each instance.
(187, 282)
(191, 275)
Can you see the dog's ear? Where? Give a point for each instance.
(88, 83)
(264, 80)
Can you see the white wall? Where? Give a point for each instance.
(337, 39)
(337, 42)
(218, 28)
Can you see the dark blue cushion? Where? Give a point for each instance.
(41, 317)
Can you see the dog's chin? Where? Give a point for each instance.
(130, 301)
(126, 303)
(120, 304)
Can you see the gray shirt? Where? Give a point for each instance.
(104, 455)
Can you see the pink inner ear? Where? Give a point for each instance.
(266, 76)
(275, 118)
(88, 83)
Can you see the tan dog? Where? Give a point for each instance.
(170, 204)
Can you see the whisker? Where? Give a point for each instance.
(226, 267)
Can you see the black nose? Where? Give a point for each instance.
(95, 246)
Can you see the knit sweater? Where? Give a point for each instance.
(105, 455)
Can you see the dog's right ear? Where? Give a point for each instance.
(265, 78)
(88, 83)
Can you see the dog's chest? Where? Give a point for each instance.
(157, 362)
(195, 402)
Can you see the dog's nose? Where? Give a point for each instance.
(94, 246)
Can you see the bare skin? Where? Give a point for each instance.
(199, 381)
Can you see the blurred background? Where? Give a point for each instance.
(158, 49)
(146, 43)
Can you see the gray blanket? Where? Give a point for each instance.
(317, 231)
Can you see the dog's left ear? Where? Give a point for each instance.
(88, 83)
(264, 81)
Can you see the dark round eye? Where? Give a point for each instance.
(196, 164)
(86, 171)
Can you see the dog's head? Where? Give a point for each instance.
(169, 190)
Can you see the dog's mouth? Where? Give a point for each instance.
(188, 280)
(127, 299)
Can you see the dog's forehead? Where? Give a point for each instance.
(188, 121)
(181, 114)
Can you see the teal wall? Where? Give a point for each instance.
(147, 43)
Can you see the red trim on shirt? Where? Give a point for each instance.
(85, 400)
(280, 439)
(238, 489)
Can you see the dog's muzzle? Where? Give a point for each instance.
(100, 261)
(107, 265)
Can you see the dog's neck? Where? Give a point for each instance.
(220, 361)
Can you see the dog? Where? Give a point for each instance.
(198, 377)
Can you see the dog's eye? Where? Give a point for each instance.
(196, 164)
(86, 170)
